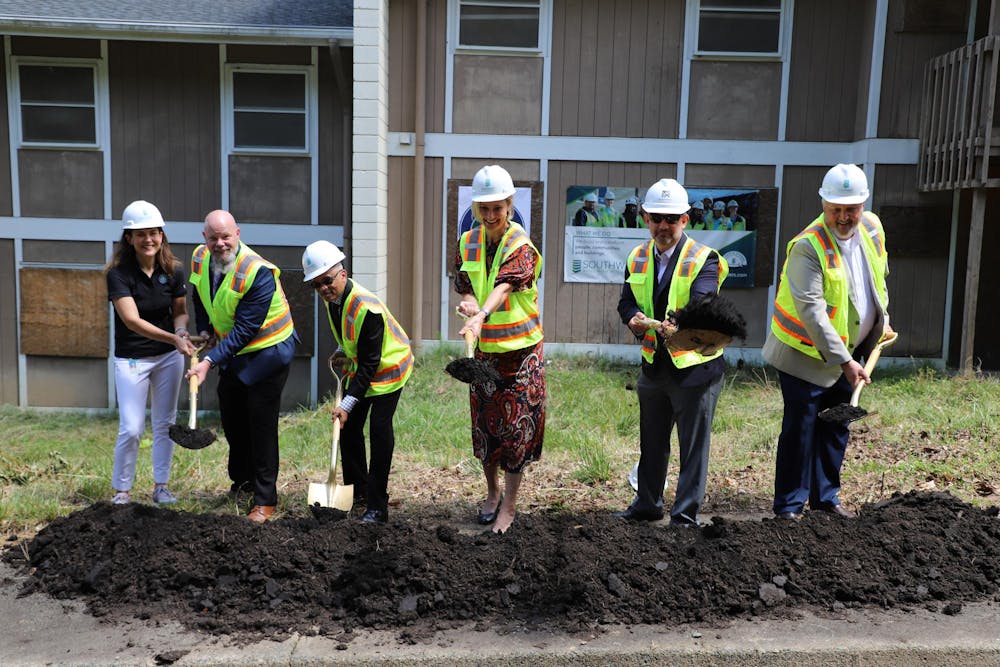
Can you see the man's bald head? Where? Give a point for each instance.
(222, 236)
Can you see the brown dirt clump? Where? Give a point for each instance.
(557, 571)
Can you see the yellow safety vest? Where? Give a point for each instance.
(396, 364)
(786, 324)
(516, 324)
(642, 280)
(222, 309)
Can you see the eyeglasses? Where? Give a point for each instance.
(659, 218)
(325, 281)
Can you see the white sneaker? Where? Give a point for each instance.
(162, 495)
(121, 498)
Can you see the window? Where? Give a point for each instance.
(739, 26)
(57, 103)
(269, 110)
(499, 24)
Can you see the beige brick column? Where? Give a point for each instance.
(370, 162)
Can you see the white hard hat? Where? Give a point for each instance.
(718, 206)
(141, 215)
(666, 196)
(591, 197)
(610, 194)
(698, 205)
(631, 201)
(845, 184)
(492, 183)
(732, 202)
(318, 258)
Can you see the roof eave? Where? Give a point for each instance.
(176, 32)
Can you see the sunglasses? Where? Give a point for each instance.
(672, 218)
(325, 281)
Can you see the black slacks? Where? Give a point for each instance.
(370, 480)
(250, 422)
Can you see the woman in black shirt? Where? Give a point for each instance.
(146, 285)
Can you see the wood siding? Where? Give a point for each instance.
(908, 47)
(165, 127)
(270, 188)
(828, 83)
(496, 95)
(400, 240)
(403, 63)
(55, 47)
(335, 109)
(8, 324)
(734, 100)
(6, 191)
(61, 183)
(616, 68)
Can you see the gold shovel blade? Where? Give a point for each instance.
(331, 495)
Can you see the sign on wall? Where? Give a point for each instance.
(603, 225)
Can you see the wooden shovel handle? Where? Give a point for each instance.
(886, 341)
(193, 390)
(470, 344)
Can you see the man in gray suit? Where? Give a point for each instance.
(666, 273)
(830, 311)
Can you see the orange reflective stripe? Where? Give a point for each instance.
(649, 342)
(473, 246)
(690, 260)
(198, 260)
(640, 262)
(497, 333)
(242, 272)
(393, 373)
(794, 327)
(395, 330)
(351, 314)
(819, 231)
(874, 234)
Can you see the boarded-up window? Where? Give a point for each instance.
(739, 26)
(269, 110)
(57, 104)
(499, 24)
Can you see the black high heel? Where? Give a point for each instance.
(486, 518)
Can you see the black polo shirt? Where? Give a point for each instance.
(154, 296)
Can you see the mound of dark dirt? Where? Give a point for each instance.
(553, 570)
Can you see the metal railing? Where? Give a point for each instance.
(958, 136)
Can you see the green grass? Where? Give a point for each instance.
(928, 429)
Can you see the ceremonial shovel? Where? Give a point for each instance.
(188, 436)
(329, 493)
(845, 413)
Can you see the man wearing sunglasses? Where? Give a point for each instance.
(239, 298)
(674, 387)
(379, 362)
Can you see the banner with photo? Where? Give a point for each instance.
(603, 224)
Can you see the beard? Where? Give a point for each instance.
(223, 266)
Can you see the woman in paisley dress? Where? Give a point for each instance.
(496, 274)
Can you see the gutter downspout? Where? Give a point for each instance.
(419, 177)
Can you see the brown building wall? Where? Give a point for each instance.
(734, 100)
(915, 33)
(61, 183)
(6, 192)
(616, 68)
(403, 63)
(497, 95)
(336, 102)
(165, 127)
(828, 70)
(8, 324)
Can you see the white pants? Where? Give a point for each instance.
(134, 380)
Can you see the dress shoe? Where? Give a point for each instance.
(839, 511)
(261, 513)
(633, 514)
(375, 516)
(789, 516)
(486, 518)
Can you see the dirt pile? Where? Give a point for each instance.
(323, 574)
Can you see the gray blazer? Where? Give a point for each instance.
(805, 280)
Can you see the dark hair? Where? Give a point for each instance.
(125, 253)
